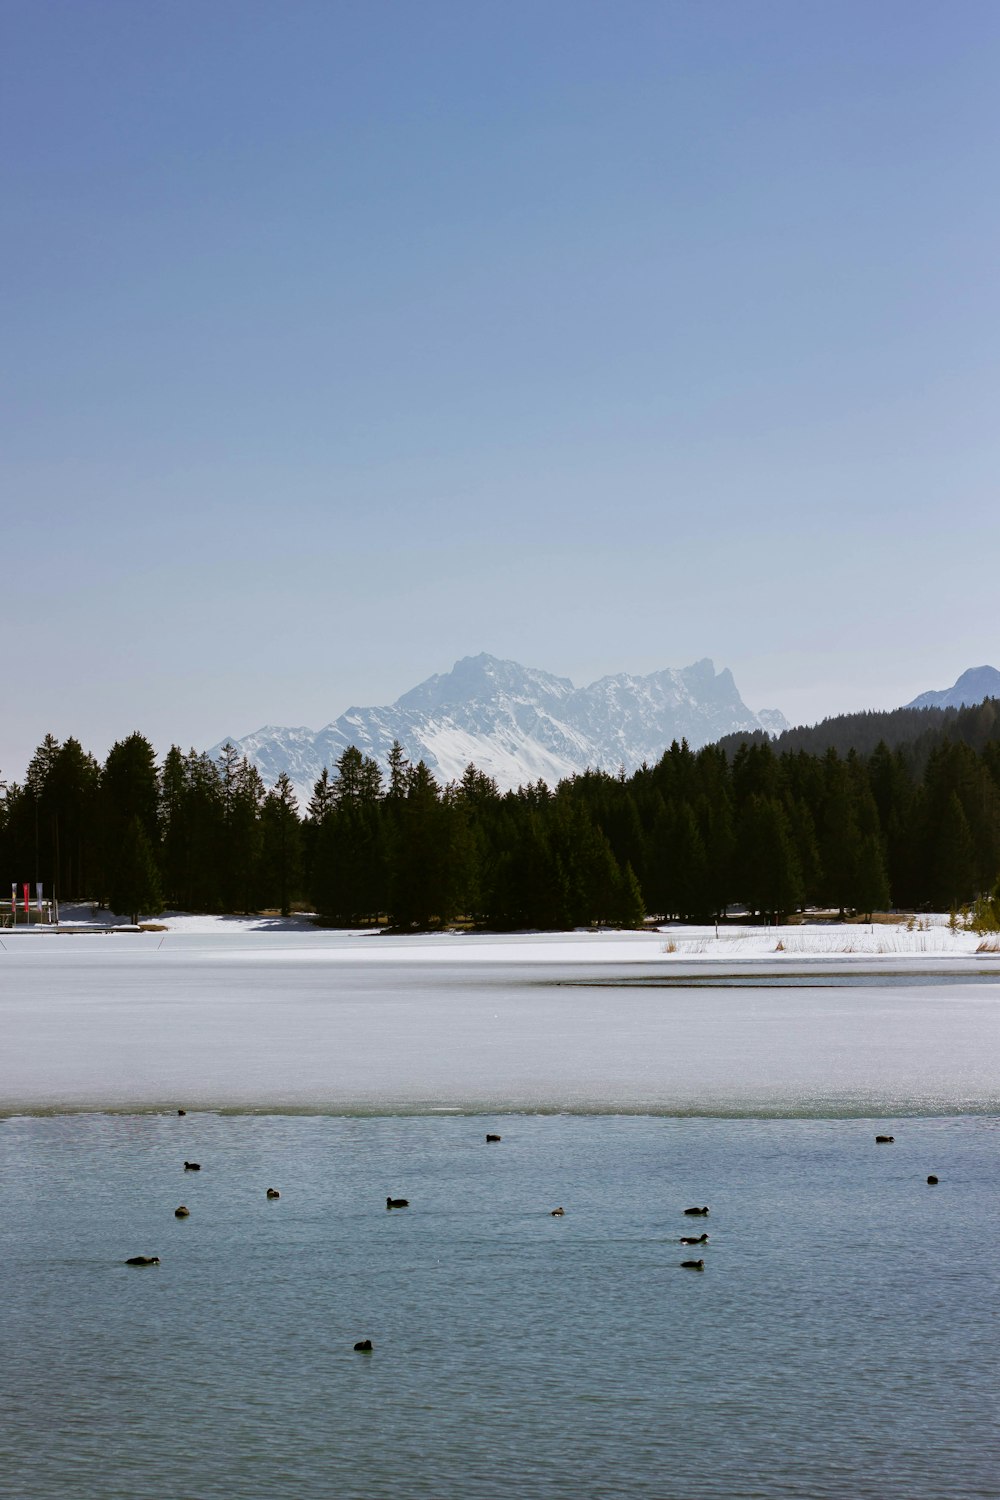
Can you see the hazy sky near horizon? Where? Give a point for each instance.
(342, 340)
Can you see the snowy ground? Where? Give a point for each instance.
(83, 915)
(931, 937)
(934, 938)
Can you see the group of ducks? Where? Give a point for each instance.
(686, 1239)
(694, 1239)
(183, 1212)
(365, 1346)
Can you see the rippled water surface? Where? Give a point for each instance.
(840, 1341)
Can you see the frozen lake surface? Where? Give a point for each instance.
(314, 1022)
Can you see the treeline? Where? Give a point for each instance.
(770, 829)
(920, 730)
(194, 833)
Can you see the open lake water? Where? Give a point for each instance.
(841, 1341)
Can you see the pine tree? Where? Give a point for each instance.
(871, 885)
(399, 773)
(281, 845)
(756, 772)
(174, 854)
(347, 787)
(657, 859)
(631, 908)
(803, 832)
(421, 887)
(322, 800)
(690, 865)
(318, 810)
(347, 870)
(893, 790)
(229, 771)
(134, 882)
(37, 809)
(129, 789)
(40, 767)
(206, 831)
(64, 785)
(243, 796)
(129, 786)
(769, 874)
(953, 857)
(839, 837)
(370, 781)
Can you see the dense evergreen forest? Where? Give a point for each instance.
(770, 825)
(919, 729)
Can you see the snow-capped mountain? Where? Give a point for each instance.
(972, 687)
(518, 724)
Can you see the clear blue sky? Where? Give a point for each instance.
(344, 339)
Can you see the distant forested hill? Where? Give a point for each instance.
(919, 730)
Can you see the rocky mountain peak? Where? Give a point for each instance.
(975, 684)
(519, 724)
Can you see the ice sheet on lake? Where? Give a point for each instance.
(338, 1023)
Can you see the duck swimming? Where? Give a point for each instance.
(192, 1166)
(492, 1138)
(143, 1260)
(932, 1180)
(397, 1203)
(694, 1239)
(884, 1140)
(692, 1265)
(693, 1211)
(182, 1212)
(364, 1346)
(557, 1213)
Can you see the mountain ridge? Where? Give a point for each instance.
(974, 685)
(518, 724)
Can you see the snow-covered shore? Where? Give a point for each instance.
(930, 937)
